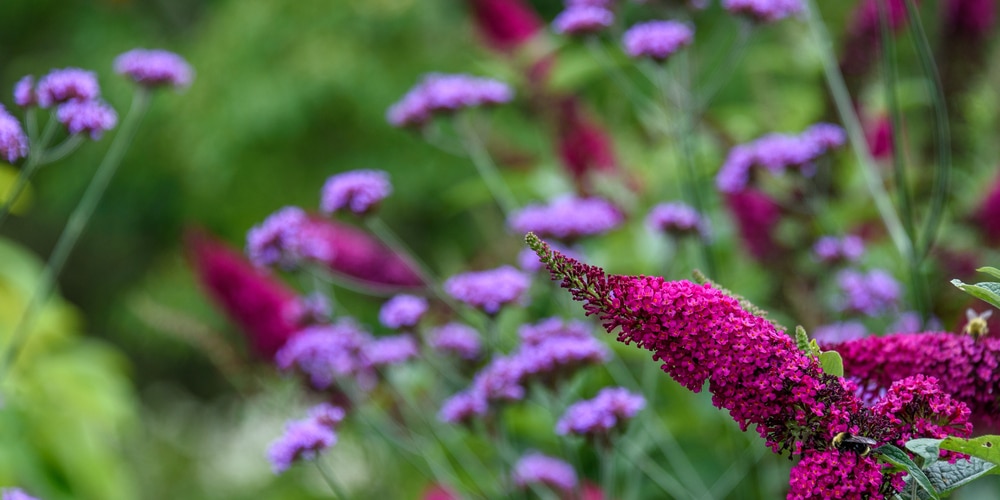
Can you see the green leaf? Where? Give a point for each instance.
(984, 447)
(987, 291)
(946, 477)
(992, 271)
(927, 449)
(802, 339)
(832, 363)
(899, 458)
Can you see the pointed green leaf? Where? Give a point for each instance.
(987, 291)
(802, 339)
(946, 477)
(899, 458)
(992, 271)
(984, 447)
(832, 363)
(927, 449)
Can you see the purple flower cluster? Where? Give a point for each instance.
(567, 218)
(764, 10)
(154, 68)
(500, 380)
(675, 218)
(488, 290)
(308, 310)
(15, 494)
(776, 153)
(552, 328)
(871, 293)
(831, 249)
(582, 20)
(92, 117)
(445, 94)
(359, 191)
(76, 93)
(65, 85)
(535, 468)
(457, 338)
(656, 40)
(24, 92)
(839, 332)
(13, 142)
(602, 414)
(325, 353)
(284, 239)
(305, 439)
(387, 351)
(402, 311)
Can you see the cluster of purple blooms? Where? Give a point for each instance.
(536, 468)
(567, 218)
(764, 10)
(776, 153)
(488, 290)
(359, 191)
(836, 333)
(305, 439)
(76, 94)
(15, 494)
(871, 293)
(582, 19)
(402, 311)
(446, 94)
(456, 338)
(13, 141)
(155, 68)
(284, 239)
(831, 249)
(602, 414)
(657, 40)
(677, 219)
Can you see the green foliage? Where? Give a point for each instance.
(900, 459)
(947, 477)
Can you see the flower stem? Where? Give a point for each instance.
(484, 164)
(74, 227)
(338, 491)
(608, 468)
(36, 153)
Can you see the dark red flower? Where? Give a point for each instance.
(757, 217)
(505, 24)
(988, 215)
(358, 255)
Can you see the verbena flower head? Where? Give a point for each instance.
(327, 414)
(325, 353)
(764, 10)
(675, 218)
(567, 218)
(839, 332)
(359, 191)
(13, 141)
(871, 293)
(582, 20)
(311, 309)
(535, 468)
(302, 440)
(359, 256)
(69, 84)
(24, 92)
(967, 369)
(15, 494)
(446, 94)
(463, 407)
(388, 351)
(154, 68)
(457, 338)
(93, 117)
(831, 249)
(776, 153)
(284, 239)
(657, 40)
(612, 407)
(501, 379)
(402, 311)
(552, 328)
(488, 290)
(558, 358)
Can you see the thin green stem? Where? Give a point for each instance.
(842, 100)
(484, 164)
(36, 155)
(338, 491)
(31, 122)
(608, 469)
(74, 227)
(722, 73)
(64, 149)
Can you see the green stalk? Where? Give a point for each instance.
(74, 227)
(607, 456)
(338, 491)
(36, 153)
(485, 166)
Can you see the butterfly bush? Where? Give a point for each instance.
(13, 141)
(505, 24)
(582, 20)
(536, 468)
(757, 216)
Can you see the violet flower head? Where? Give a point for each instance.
(154, 68)
(764, 10)
(831, 249)
(535, 468)
(552, 328)
(657, 40)
(24, 92)
(567, 218)
(501, 379)
(326, 352)
(308, 310)
(64, 85)
(15, 494)
(402, 311)
(13, 141)
(871, 293)
(604, 4)
(446, 94)
(93, 117)
(582, 20)
(359, 191)
(558, 358)
(302, 440)
(839, 332)
(463, 407)
(678, 219)
(600, 415)
(777, 153)
(327, 414)
(457, 338)
(488, 290)
(284, 238)
(388, 351)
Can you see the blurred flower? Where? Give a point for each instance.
(557, 358)
(677, 219)
(325, 353)
(764, 10)
(13, 142)
(488, 290)
(402, 311)
(831, 249)
(550, 328)
(864, 33)
(15, 494)
(154, 68)
(500, 380)
(64, 85)
(445, 94)
(969, 18)
(598, 416)
(528, 261)
(360, 191)
(24, 92)
(879, 136)
(438, 492)
(302, 440)
(871, 293)
(583, 146)
(567, 218)
(254, 300)
(987, 216)
(312, 309)
(911, 322)
(839, 332)
(777, 152)
(284, 239)
(505, 24)
(463, 407)
(604, 4)
(656, 40)
(535, 468)
(757, 216)
(917, 407)
(388, 351)
(94, 117)
(834, 473)
(327, 414)
(582, 20)
(358, 255)
(457, 338)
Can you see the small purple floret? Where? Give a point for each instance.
(488, 290)
(284, 238)
(457, 338)
(675, 218)
(582, 20)
(15, 494)
(402, 311)
(303, 439)
(325, 353)
(444, 94)
(871, 293)
(657, 40)
(388, 351)
(69, 84)
(831, 249)
(567, 218)
(154, 68)
(359, 191)
(24, 92)
(13, 141)
(463, 407)
(764, 10)
(552, 472)
(839, 332)
(598, 416)
(776, 153)
(93, 117)
(550, 328)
